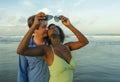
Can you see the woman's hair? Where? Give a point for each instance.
(62, 35)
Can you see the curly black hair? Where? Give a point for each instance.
(62, 35)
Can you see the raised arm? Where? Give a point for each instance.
(23, 48)
(82, 40)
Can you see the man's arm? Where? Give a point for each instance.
(22, 69)
(23, 46)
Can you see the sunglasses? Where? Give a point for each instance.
(49, 17)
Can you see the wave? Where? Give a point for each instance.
(101, 39)
(105, 36)
(92, 38)
(15, 38)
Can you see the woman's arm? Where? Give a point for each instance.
(23, 48)
(82, 40)
(35, 51)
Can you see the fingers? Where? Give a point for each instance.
(63, 18)
(41, 16)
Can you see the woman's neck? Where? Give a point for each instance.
(55, 40)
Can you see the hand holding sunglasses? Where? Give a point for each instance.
(65, 20)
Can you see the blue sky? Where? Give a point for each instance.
(89, 16)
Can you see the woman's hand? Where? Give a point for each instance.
(65, 20)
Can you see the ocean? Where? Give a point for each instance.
(99, 61)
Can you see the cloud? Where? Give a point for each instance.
(3, 12)
(27, 3)
(0, 18)
(11, 19)
(79, 2)
(59, 11)
(93, 20)
(13, 30)
(22, 20)
(7, 26)
(45, 10)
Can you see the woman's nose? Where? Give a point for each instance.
(46, 28)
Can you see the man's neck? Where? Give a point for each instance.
(39, 41)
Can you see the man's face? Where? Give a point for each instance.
(42, 30)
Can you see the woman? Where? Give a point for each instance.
(57, 55)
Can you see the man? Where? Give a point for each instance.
(34, 69)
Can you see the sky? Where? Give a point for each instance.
(88, 16)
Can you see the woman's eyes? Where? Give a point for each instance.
(52, 27)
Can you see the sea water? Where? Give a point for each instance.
(99, 61)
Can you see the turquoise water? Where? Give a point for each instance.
(99, 61)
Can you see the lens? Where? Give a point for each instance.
(56, 18)
(49, 17)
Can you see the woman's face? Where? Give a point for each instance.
(53, 30)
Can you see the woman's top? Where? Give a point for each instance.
(60, 70)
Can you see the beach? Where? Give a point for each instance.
(96, 62)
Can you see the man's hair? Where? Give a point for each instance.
(62, 35)
(30, 20)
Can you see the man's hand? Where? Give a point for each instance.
(40, 17)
